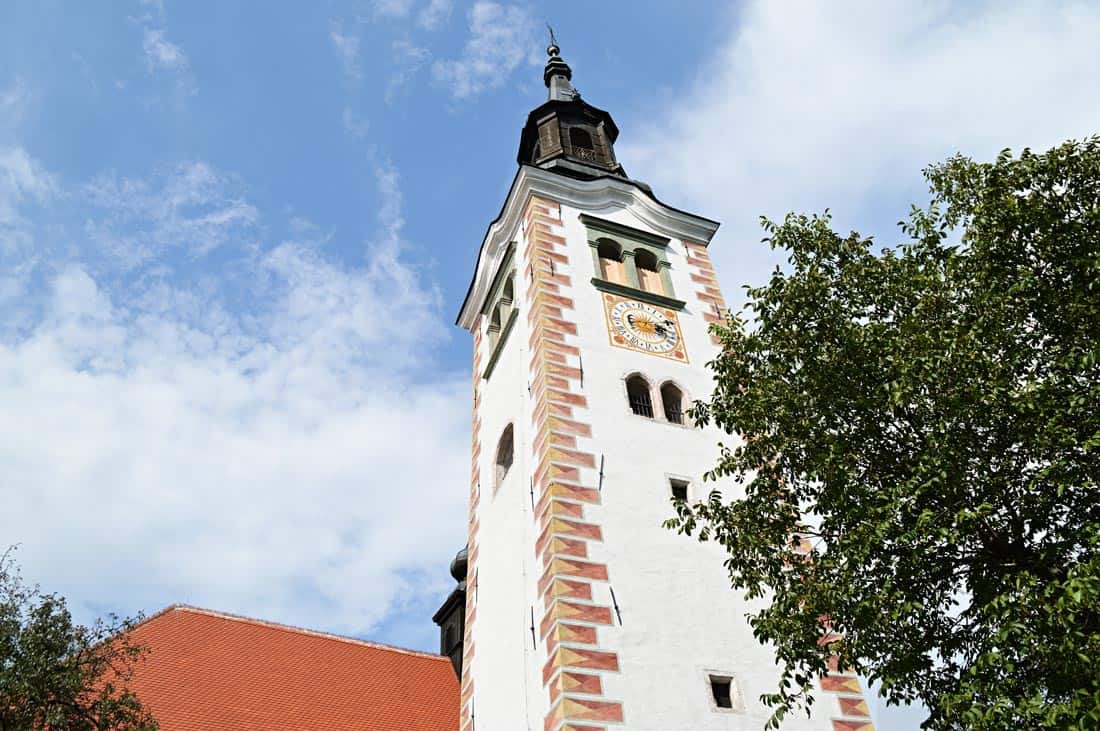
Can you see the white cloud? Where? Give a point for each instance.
(22, 179)
(354, 125)
(433, 15)
(840, 106)
(502, 38)
(162, 56)
(193, 208)
(264, 436)
(391, 8)
(408, 59)
(13, 100)
(24, 183)
(347, 48)
(160, 53)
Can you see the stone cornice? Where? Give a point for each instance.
(587, 195)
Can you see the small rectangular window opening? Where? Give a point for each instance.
(721, 689)
(679, 490)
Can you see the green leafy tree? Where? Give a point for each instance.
(58, 675)
(927, 419)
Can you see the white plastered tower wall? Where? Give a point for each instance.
(583, 612)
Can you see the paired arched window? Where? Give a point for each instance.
(673, 401)
(501, 311)
(611, 261)
(629, 263)
(649, 279)
(641, 397)
(505, 450)
(495, 319)
(637, 393)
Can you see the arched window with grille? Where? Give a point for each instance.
(649, 278)
(672, 400)
(611, 261)
(505, 449)
(637, 393)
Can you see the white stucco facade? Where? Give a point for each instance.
(674, 621)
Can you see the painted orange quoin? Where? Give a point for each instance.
(467, 684)
(574, 688)
(709, 294)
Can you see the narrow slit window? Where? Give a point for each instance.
(679, 489)
(721, 689)
(672, 399)
(637, 392)
(504, 456)
(648, 277)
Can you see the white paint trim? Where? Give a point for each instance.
(587, 195)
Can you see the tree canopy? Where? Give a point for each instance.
(58, 675)
(918, 448)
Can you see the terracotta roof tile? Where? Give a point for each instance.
(207, 670)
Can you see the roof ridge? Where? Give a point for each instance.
(294, 629)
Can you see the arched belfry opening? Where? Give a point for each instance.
(579, 138)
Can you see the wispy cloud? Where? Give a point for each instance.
(238, 435)
(408, 59)
(391, 8)
(161, 54)
(502, 38)
(433, 15)
(24, 184)
(354, 125)
(13, 101)
(193, 208)
(22, 178)
(347, 48)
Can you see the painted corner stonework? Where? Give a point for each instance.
(643, 328)
(708, 293)
(571, 588)
(466, 688)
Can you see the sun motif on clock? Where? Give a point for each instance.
(637, 326)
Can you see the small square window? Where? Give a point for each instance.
(679, 489)
(721, 688)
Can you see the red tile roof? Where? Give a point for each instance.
(207, 670)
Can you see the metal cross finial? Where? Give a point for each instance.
(553, 40)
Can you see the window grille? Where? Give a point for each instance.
(673, 402)
(637, 392)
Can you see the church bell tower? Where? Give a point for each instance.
(576, 610)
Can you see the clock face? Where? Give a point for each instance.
(637, 326)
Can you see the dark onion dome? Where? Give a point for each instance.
(565, 133)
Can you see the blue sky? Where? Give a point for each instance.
(234, 236)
